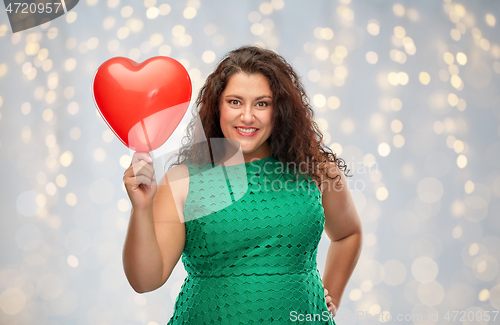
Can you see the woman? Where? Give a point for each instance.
(247, 229)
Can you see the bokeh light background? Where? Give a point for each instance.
(407, 92)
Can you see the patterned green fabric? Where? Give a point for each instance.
(252, 234)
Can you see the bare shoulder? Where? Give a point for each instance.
(178, 177)
(331, 177)
(172, 192)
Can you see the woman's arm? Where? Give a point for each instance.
(343, 227)
(155, 237)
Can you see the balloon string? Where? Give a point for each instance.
(147, 139)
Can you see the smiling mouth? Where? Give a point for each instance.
(246, 130)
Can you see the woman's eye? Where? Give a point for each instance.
(263, 104)
(234, 101)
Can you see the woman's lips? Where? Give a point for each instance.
(246, 134)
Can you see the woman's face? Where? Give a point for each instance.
(247, 103)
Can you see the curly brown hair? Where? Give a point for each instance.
(298, 138)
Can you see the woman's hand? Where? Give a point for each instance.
(140, 181)
(331, 306)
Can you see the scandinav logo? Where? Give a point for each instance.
(25, 14)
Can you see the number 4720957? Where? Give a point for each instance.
(479, 315)
(33, 8)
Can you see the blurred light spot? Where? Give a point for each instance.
(189, 13)
(125, 161)
(458, 146)
(71, 199)
(257, 29)
(399, 32)
(123, 32)
(156, 39)
(48, 114)
(108, 23)
(92, 43)
(208, 56)
(424, 78)
(319, 100)
(384, 149)
(485, 267)
(336, 148)
(99, 154)
(371, 57)
(278, 4)
(73, 108)
(424, 269)
(382, 193)
(12, 301)
(165, 50)
(51, 188)
(26, 134)
(127, 11)
(370, 240)
(61, 180)
(50, 140)
(398, 10)
(66, 158)
(490, 20)
(25, 108)
(52, 33)
(430, 190)
(47, 65)
(455, 34)
(373, 27)
(152, 12)
(107, 135)
(333, 102)
(72, 261)
(341, 51)
(322, 53)
(113, 45)
(457, 232)
(484, 295)
(134, 25)
(345, 12)
(326, 33)
(398, 141)
(134, 54)
(178, 30)
(266, 8)
(461, 58)
(396, 126)
(75, 133)
(347, 125)
(314, 75)
(461, 161)
(70, 64)
(431, 293)
(123, 205)
(71, 17)
(452, 99)
(396, 104)
(165, 9)
(355, 294)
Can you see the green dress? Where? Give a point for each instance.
(252, 233)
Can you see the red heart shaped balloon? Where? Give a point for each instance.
(142, 103)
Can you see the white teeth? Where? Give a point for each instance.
(246, 130)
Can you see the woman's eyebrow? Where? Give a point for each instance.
(260, 97)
